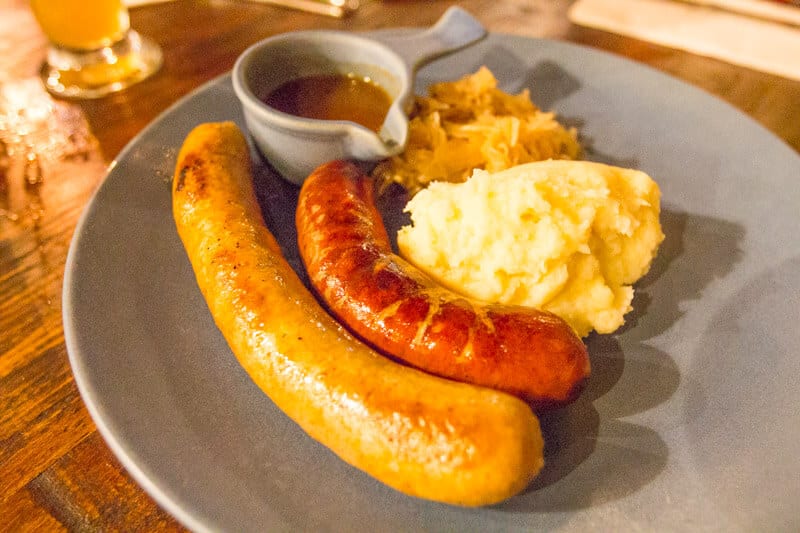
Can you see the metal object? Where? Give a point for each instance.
(330, 8)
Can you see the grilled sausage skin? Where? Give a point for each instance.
(395, 307)
(422, 435)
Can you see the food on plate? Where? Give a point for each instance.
(422, 435)
(333, 97)
(563, 236)
(468, 124)
(391, 304)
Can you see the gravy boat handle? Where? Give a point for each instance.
(455, 29)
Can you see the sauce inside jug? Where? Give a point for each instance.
(333, 97)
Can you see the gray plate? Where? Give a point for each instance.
(691, 418)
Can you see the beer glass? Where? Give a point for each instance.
(93, 51)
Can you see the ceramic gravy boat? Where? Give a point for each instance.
(294, 145)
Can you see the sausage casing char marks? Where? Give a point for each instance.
(425, 436)
(391, 304)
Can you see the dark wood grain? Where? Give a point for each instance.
(57, 473)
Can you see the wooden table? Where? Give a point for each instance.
(56, 470)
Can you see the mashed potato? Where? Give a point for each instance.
(566, 236)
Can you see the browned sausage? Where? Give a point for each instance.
(394, 306)
(425, 436)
